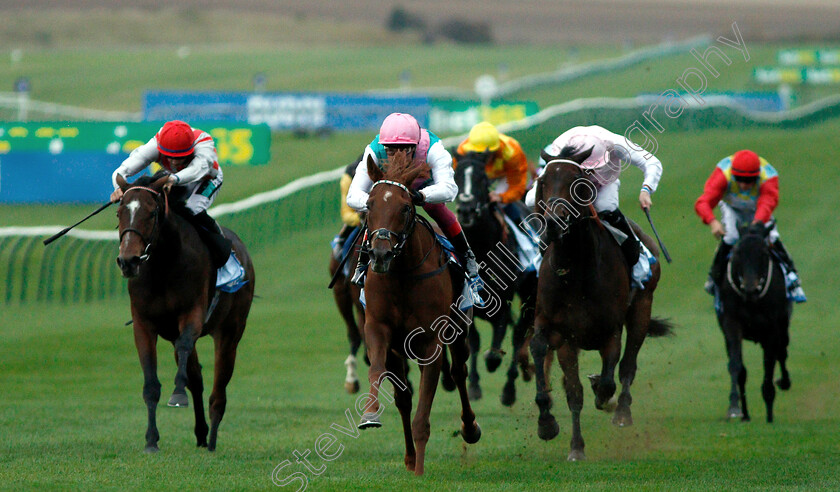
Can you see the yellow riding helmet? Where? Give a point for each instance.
(484, 136)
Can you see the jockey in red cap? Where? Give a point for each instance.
(746, 187)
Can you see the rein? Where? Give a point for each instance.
(146, 250)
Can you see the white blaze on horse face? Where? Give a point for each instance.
(466, 195)
(132, 207)
(387, 196)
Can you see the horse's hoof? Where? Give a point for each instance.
(492, 360)
(178, 400)
(547, 429)
(576, 455)
(527, 372)
(622, 419)
(474, 392)
(735, 413)
(471, 437)
(370, 421)
(409, 463)
(151, 449)
(609, 406)
(783, 384)
(508, 397)
(351, 387)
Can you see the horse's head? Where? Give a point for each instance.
(474, 187)
(749, 269)
(391, 214)
(564, 191)
(139, 215)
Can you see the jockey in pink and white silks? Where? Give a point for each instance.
(189, 155)
(401, 131)
(611, 153)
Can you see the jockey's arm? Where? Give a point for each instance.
(516, 174)
(444, 188)
(201, 164)
(713, 192)
(357, 194)
(136, 161)
(768, 198)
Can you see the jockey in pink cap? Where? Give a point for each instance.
(401, 131)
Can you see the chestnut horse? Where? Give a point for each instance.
(584, 298)
(412, 312)
(172, 289)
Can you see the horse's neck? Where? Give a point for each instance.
(579, 250)
(484, 235)
(416, 247)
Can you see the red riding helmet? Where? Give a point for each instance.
(175, 139)
(746, 164)
(399, 129)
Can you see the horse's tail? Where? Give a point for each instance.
(660, 328)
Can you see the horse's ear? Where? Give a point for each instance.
(546, 156)
(157, 185)
(122, 183)
(373, 170)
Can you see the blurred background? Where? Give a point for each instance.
(292, 91)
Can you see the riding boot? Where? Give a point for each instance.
(361, 268)
(718, 267)
(208, 229)
(339, 240)
(462, 248)
(630, 247)
(791, 275)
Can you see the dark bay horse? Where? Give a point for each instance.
(172, 290)
(412, 312)
(346, 297)
(584, 299)
(754, 306)
(495, 247)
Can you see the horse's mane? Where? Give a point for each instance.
(401, 169)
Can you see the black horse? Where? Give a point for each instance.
(494, 245)
(754, 306)
(584, 299)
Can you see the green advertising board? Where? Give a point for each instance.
(236, 144)
(807, 57)
(458, 116)
(797, 75)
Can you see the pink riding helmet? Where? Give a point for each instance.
(399, 129)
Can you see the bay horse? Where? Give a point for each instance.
(754, 306)
(172, 289)
(346, 297)
(504, 276)
(412, 308)
(584, 298)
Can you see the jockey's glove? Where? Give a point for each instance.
(417, 198)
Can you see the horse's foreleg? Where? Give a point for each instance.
(493, 357)
(768, 391)
(195, 383)
(783, 382)
(402, 400)
(377, 342)
(567, 356)
(146, 343)
(475, 344)
(190, 328)
(547, 427)
(732, 336)
(520, 357)
(420, 427)
(638, 322)
(344, 301)
(603, 385)
(470, 430)
(225, 356)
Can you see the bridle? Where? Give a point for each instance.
(767, 280)
(554, 201)
(387, 234)
(155, 226)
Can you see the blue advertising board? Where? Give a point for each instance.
(68, 177)
(284, 111)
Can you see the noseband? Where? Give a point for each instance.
(387, 234)
(767, 280)
(155, 226)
